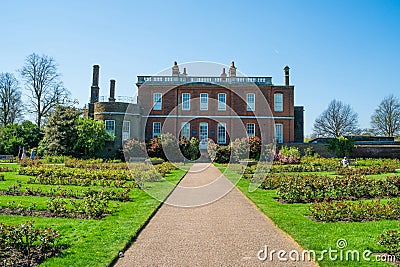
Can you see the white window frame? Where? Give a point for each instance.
(157, 101)
(126, 130)
(185, 103)
(278, 102)
(155, 134)
(253, 126)
(109, 130)
(221, 104)
(203, 101)
(221, 139)
(251, 104)
(185, 129)
(279, 133)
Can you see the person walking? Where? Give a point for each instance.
(19, 152)
(23, 157)
(32, 154)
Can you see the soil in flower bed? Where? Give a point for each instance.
(13, 257)
(46, 194)
(46, 213)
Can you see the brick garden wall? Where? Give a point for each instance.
(361, 151)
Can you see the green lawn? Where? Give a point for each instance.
(311, 235)
(90, 242)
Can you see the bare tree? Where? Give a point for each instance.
(338, 120)
(43, 82)
(10, 99)
(386, 118)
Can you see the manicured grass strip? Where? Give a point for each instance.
(292, 218)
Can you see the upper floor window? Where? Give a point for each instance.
(156, 129)
(185, 130)
(110, 127)
(203, 101)
(222, 101)
(251, 102)
(279, 133)
(278, 102)
(251, 129)
(126, 130)
(185, 101)
(157, 101)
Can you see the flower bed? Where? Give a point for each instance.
(311, 188)
(356, 211)
(53, 180)
(95, 206)
(16, 190)
(391, 241)
(276, 168)
(4, 169)
(366, 170)
(26, 245)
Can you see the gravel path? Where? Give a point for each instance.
(228, 232)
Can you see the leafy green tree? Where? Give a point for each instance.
(341, 146)
(60, 134)
(12, 136)
(91, 137)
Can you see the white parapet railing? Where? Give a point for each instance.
(203, 79)
(125, 99)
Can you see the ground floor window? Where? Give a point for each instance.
(126, 130)
(279, 133)
(221, 133)
(185, 131)
(251, 129)
(156, 129)
(110, 127)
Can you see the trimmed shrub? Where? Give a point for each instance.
(240, 149)
(311, 188)
(223, 154)
(391, 241)
(26, 245)
(356, 211)
(154, 148)
(288, 155)
(134, 149)
(255, 147)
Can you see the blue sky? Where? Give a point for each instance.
(346, 50)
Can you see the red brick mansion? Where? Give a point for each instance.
(221, 108)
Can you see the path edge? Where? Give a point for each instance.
(265, 215)
(134, 237)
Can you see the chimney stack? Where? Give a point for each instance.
(223, 75)
(112, 91)
(286, 69)
(94, 93)
(95, 81)
(184, 72)
(232, 70)
(175, 69)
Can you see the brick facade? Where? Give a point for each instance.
(236, 116)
